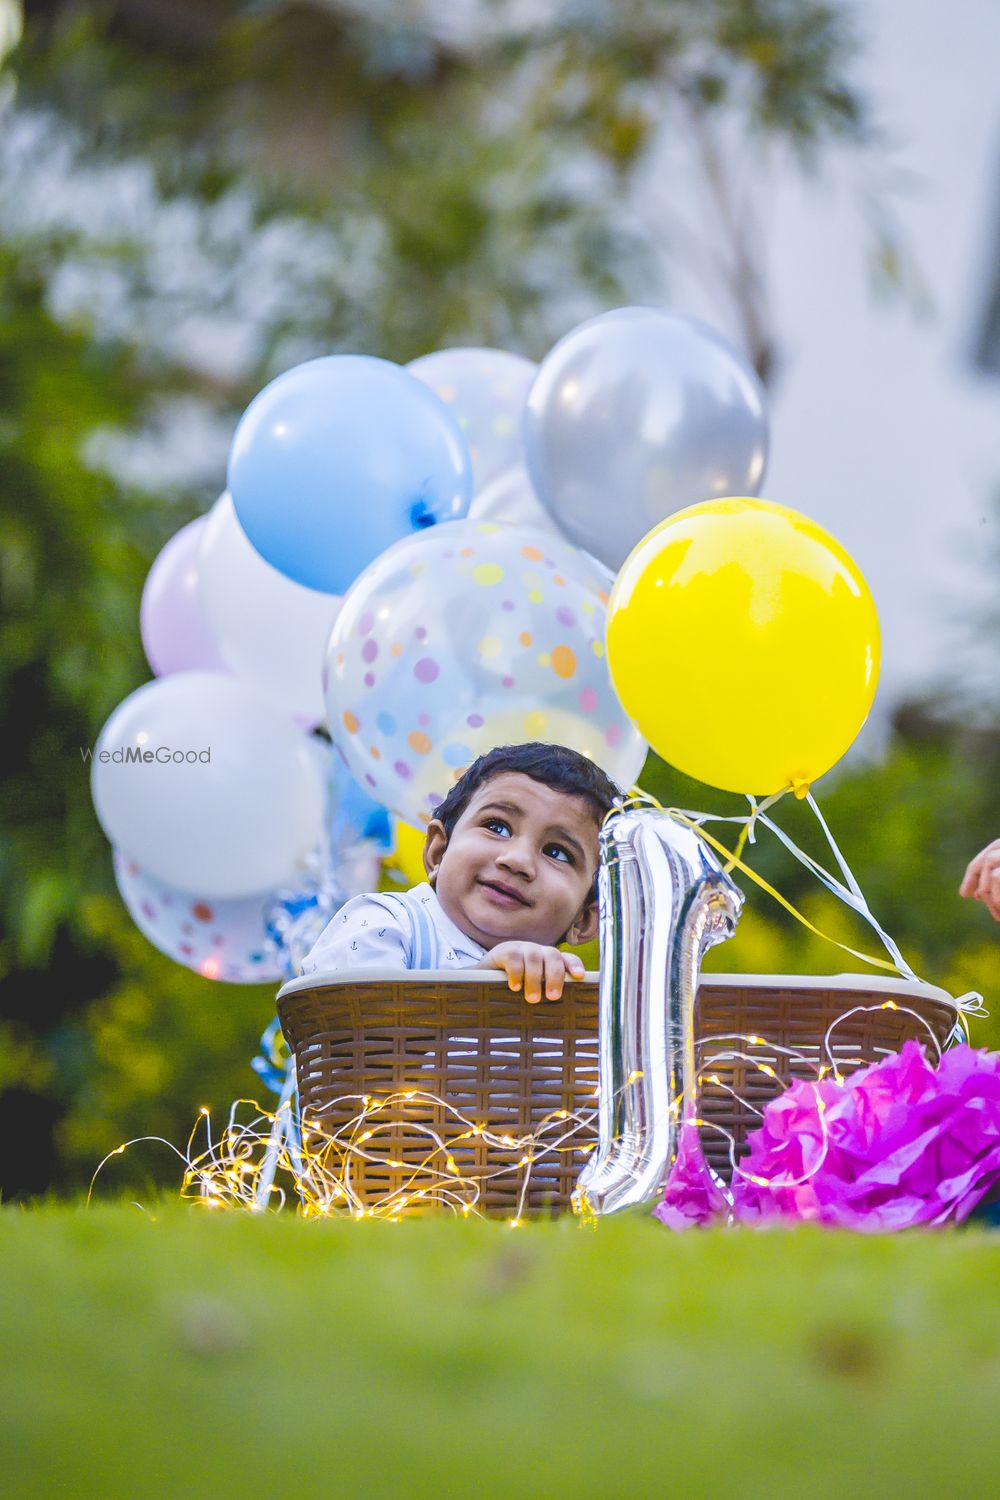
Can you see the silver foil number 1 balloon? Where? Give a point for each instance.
(664, 900)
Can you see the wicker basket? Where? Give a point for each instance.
(469, 1041)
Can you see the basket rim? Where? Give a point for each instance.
(848, 983)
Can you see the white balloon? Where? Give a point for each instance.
(511, 500)
(207, 786)
(271, 631)
(485, 390)
(511, 497)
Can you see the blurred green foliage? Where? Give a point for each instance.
(193, 197)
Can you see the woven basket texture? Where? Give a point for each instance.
(495, 1060)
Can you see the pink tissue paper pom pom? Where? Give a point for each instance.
(894, 1145)
(692, 1195)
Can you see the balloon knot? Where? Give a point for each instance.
(800, 787)
(421, 515)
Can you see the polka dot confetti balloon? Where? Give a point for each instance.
(469, 635)
(217, 939)
(486, 391)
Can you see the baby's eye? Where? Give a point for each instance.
(496, 825)
(556, 851)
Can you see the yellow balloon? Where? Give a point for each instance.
(409, 855)
(744, 644)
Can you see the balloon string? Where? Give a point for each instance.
(970, 1004)
(757, 814)
(867, 958)
(851, 894)
(748, 833)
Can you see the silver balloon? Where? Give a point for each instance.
(634, 415)
(664, 900)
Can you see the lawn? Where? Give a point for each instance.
(175, 1352)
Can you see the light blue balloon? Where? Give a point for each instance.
(353, 814)
(340, 457)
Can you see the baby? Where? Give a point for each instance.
(511, 859)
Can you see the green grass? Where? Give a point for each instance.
(179, 1353)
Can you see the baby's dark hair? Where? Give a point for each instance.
(553, 765)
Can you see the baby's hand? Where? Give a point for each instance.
(531, 964)
(982, 879)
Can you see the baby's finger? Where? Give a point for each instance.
(533, 968)
(555, 974)
(513, 964)
(574, 966)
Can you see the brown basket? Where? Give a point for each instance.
(467, 1040)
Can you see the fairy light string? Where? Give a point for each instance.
(322, 1172)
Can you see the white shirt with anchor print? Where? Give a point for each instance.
(377, 931)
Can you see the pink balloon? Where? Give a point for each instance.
(175, 633)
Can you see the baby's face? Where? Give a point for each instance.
(520, 864)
